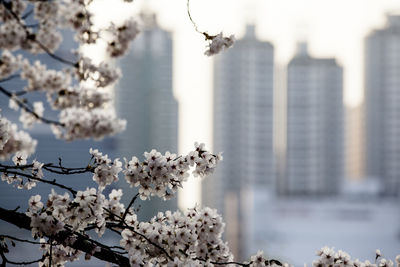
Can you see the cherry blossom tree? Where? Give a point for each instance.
(64, 224)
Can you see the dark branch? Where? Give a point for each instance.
(190, 17)
(20, 93)
(27, 14)
(129, 206)
(206, 35)
(9, 78)
(73, 64)
(80, 243)
(226, 263)
(24, 106)
(5, 260)
(49, 167)
(51, 251)
(39, 180)
(21, 240)
(126, 226)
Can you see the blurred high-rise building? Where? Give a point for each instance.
(243, 112)
(382, 97)
(145, 99)
(355, 142)
(315, 143)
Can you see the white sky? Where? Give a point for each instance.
(333, 28)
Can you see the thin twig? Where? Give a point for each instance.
(226, 263)
(67, 172)
(129, 206)
(73, 64)
(27, 14)
(3, 257)
(206, 35)
(73, 192)
(9, 78)
(24, 106)
(51, 251)
(97, 244)
(5, 260)
(21, 240)
(19, 93)
(190, 17)
(139, 234)
(50, 168)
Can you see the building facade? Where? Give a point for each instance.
(145, 99)
(243, 124)
(315, 143)
(382, 98)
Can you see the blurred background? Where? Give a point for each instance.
(304, 108)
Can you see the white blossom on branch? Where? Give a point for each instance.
(218, 43)
(8, 64)
(161, 175)
(12, 140)
(121, 37)
(79, 123)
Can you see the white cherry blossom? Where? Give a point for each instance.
(13, 141)
(219, 43)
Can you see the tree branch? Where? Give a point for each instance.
(21, 240)
(206, 35)
(127, 209)
(5, 260)
(80, 243)
(24, 106)
(126, 226)
(73, 192)
(49, 167)
(9, 78)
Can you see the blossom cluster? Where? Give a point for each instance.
(158, 175)
(89, 207)
(51, 17)
(8, 64)
(329, 257)
(29, 118)
(259, 260)
(13, 141)
(60, 254)
(35, 170)
(85, 111)
(39, 78)
(78, 89)
(218, 43)
(102, 74)
(193, 237)
(121, 38)
(80, 123)
(161, 175)
(106, 171)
